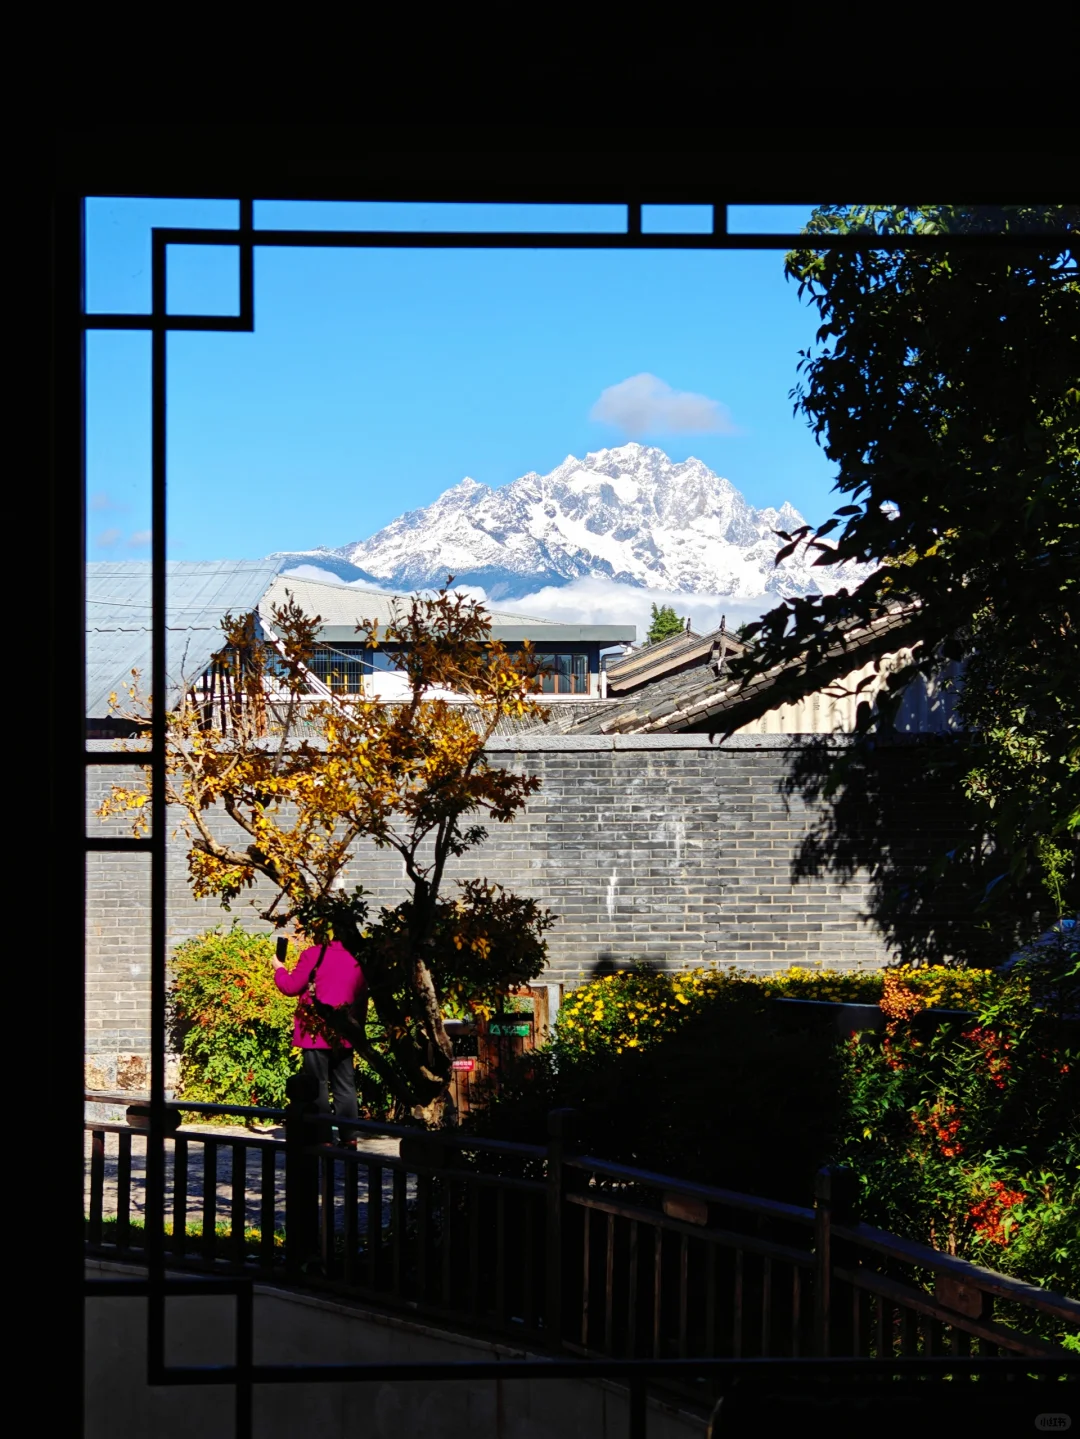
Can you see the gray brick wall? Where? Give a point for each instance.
(666, 849)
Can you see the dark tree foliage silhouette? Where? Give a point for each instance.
(945, 387)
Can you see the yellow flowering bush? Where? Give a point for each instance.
(937, 985)
(629, 1010)
(943, 988)
(634, 1008)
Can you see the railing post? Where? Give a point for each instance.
(834, 1202)
(301, 1175)
(562, 1131)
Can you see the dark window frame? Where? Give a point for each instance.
(570, 678)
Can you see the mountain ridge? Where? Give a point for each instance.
(630, 514)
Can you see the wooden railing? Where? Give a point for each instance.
(559, 1249)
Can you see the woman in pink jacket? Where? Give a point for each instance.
(339, 980)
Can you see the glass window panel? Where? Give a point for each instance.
(202, 280)
(676, 219)
(409, 215)
(118, 258)
(767, 219)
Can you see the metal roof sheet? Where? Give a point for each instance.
(342, 607)
(198, 594)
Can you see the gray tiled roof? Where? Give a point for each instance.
(700, 696)
(677, 653)
(198, 594)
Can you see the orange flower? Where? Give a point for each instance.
(898, 1001)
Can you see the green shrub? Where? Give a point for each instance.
(969, 1139)
(232, 1024)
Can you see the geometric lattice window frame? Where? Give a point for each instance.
(159, 323)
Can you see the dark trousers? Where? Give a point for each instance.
(332, 1069)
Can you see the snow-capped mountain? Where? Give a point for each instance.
(630, 514)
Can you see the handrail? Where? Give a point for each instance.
(364, 1126)
(424, 1236)
(418, 1166)
(729, 1198)
(913, 1299)
(988, 1280)
(499, 1146)
(909, 1251)
(196, 1106)
(836, 1004)
(247, 1111)
(659, 1220)
(253, 1141)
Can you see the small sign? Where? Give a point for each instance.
(522, 1031)
(465, 1064)
(686, 1208)
(959, 1297)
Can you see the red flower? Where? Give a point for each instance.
(887, 1051)
(942, 1124)
(994, 1048)
(989, 1213)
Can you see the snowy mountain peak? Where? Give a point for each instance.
(631, 514)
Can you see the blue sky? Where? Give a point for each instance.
(376, 379)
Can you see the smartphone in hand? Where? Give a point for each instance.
(282, 948)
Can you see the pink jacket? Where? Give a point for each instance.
(340, 980)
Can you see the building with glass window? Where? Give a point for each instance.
(347, 664)
(201, 593)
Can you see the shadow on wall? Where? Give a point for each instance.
(897, 813)
(608, 964)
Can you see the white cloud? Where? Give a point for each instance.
(595, 600)
(313, 572)
(107, 539)
(647, 405)
(140, 537)
(101, 502)
(471, 592)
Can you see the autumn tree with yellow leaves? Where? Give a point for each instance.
(278, 786)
